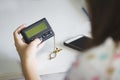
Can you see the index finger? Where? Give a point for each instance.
(16, 34)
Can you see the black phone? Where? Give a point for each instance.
(78, 43)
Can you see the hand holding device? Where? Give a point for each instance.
(26, 50)
(41, 29)
(27, 53)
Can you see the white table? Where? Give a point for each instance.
(65, 17)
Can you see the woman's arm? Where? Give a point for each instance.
(29, 67)
(27, 53)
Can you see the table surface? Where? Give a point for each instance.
(54, 76)
(65, 17)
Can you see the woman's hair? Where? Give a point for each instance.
(105, 20)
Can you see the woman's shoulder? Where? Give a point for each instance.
(92, 61)
(108, 46)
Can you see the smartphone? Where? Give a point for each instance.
(79, 43)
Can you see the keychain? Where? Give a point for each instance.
(55, 51)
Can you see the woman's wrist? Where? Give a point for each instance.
(30, 68)
(28, 59)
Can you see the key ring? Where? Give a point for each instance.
(54, 53)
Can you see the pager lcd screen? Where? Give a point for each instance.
(35, 30)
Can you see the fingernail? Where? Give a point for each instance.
(39, 39)
(23, 25)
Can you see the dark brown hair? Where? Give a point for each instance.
(105, 20)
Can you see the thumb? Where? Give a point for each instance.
(36, 42)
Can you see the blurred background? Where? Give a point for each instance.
(65, 17)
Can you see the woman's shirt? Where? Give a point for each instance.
(98, 63)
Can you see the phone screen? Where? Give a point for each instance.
(79, 44)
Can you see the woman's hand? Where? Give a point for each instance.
(27, 53)
(26, 50)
